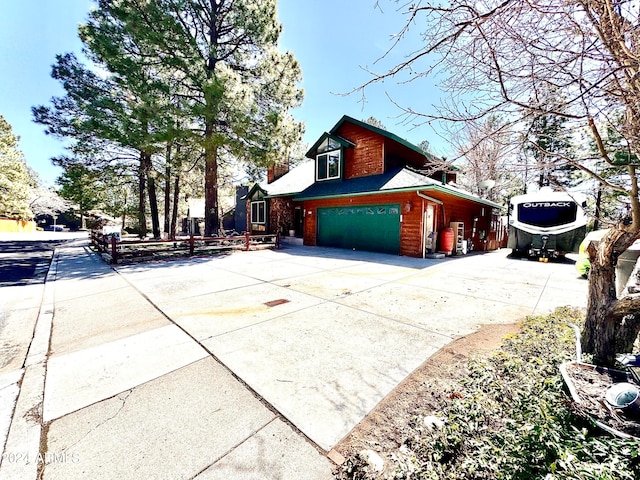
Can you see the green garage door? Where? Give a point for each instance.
(371, 227)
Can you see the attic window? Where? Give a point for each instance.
(327, 145)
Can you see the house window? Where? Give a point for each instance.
(328, 160)
(327, 145)
(258, 212)
(328, 165)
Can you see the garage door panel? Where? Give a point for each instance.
(368, 227)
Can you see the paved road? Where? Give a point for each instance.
(24, 262)
(25, 257)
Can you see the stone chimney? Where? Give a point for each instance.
(277, 170)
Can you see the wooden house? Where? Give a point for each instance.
(365, 188)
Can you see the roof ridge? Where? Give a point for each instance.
(385, 133)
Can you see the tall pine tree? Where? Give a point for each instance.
(104, 115)
(236, 88)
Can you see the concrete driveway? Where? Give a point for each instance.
(322, 335)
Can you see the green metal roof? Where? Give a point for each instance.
(398, 180)
(359, 185)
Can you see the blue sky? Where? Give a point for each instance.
(332, 40)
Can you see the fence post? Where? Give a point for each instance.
(191, 244)
(277, 240)
(114, 250)
(247, 241)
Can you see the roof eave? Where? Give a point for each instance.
(278, 195)
(439, 188)
(466, 196)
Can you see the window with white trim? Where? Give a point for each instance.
(328, 165)
(258, 212)
(328, 161)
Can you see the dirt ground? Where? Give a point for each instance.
(590, 384)
(424, 392)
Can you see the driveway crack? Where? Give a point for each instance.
(123, 399)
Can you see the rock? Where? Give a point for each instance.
(336, 457)
(374, 460)
(432, 422)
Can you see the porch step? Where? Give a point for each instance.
(291, 241)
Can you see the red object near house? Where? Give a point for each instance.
(446, 240)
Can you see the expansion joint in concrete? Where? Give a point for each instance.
(248, 387)
(230, 450)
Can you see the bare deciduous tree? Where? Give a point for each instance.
(489, 154)
(500, 58)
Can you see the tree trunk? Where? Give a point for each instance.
(210, 145)
(142, 211)
(597, 213)
(153, 198)
(612, 325)
(153, 206)
(167, 191)
(124, 213)
(211, 191)
(174, 216)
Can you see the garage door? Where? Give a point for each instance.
(371, 227)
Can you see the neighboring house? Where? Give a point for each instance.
(240, 210)
(236, 217)
(193, 223)
(233, 219)
(365, 188)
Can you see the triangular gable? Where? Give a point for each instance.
(386, 134)
(341, 141)
(252, 192)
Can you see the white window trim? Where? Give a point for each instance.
(264, 212)
(339, 152)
